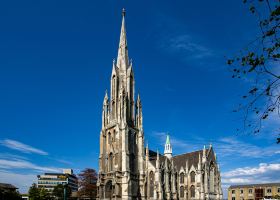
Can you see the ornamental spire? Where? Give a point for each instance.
(168, 148)
(122, 60)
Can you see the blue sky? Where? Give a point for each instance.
(55, 65)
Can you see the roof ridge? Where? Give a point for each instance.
(188, 153)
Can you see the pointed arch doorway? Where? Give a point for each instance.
(109, 190)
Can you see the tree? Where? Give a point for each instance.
(87, 183)
(10, 195)
(44, 194)
(259, 61)
(58, 191)
(34, 193)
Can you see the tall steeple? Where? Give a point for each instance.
(122, 60)
(168, 148)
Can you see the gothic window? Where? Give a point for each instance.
(132, 162)
(181, 191)
(110, 162)
(182, 177)
(109, 138)
(108, 190)
(146, 190)
(192, 176)
(192, 191)
(152, 180)
(212, 178)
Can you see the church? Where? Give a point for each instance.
(127, 169)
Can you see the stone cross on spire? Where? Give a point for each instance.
(122, 60)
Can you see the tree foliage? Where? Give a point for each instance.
(58, 191)
(87, 183)
(36, 193)
(259, 61)
(11, 195)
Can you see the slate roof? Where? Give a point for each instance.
(255, 185)
(7, 186)
(180, 160)
(192, 157)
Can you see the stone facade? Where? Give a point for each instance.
(127, 170)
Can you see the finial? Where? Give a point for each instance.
(106, 94)
(123, 12)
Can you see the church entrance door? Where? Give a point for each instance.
(109, 190)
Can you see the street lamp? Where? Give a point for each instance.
(64, 190)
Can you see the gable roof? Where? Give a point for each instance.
(7, 186)
(192, 158)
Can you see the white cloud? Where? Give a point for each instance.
(22, 181)
(263, 168)
(224, 147)
(13, 144)
(23, 164)
(186, 45)
(262, 173)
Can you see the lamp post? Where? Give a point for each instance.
(64, 191)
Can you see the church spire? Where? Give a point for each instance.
(122, 60)
(168, 148)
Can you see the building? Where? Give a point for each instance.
(254, 191)
(50, 180)
(127, 170)
(6, 187)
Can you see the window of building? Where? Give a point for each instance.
(152, 179)
(212, 178)
(192, 191)
(241, 191)
(233, 198)
(110, 162)
(109, 138)
(182, 177)
(268, 190)
(181, 191)
(250, 191)
(192, 176)
(233, 192)
(278, 190)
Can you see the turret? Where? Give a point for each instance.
(114, 91)
(105, 110)
(130, 93)
(199, 162)
(204, 155)
(157, 161)
(168, 148)
(147, 156)
(139, 116)
(187, 167)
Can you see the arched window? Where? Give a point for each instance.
(182, 177)
(181, 191)
(212, 178)
(152, 180)
(192, 177)
(132, 162)
(108, 190)
(192, 191)
(110, 162)
(109, 138)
